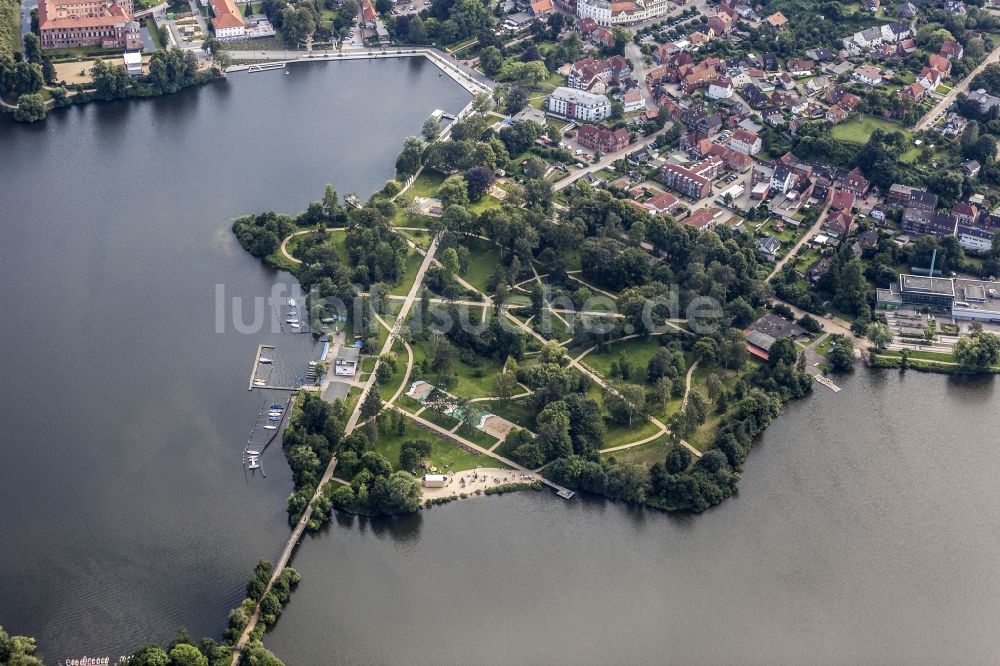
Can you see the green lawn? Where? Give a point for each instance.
(437, 418)
(519, 412)
(637, 351)
(484, 257)
(476, 435)
(445, 455)
(413, 261)
(621, 434)
(471, 382)
(389, 388)
(646, 454)
(857, 130)
(484, 204)
(426, 184)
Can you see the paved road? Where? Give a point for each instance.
(802, 241)
(607, 160)
(932, 116)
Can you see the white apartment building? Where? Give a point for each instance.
(579, 104)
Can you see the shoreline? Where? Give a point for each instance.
(469, 83)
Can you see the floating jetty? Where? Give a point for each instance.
(263, 67)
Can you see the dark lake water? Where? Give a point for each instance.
(125, 509)
(866, 531)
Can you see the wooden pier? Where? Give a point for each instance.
(256, 364)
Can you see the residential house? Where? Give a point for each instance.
(856, 183)
(776, 20)
(768, 248)
(838, 224)
(835, 114)
(745, 142)
(770, 61)
(605, 140)
(926, 223)
(782, 179)
(818, 269)
(914, 91)
(704, 219)
(619, 68)
(822, 55)
(985, 102)
(921, 200)
(721, 24)
(661, 204)
(603, 37)
(964, 213)
(632, 100)
(907, 10)
(756, 98)
(929, 78)
(586, 27)
(800, 67)
(970, 168)
(786, 81)
(940, 63)
(867, 242)
(896, 32)
(541, 8)
(950, 49)
(842, 200)
(720, 87)
(868, 75)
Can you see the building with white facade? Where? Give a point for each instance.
(598, 10)
(578, 104)
(625, 12)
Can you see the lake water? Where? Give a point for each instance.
(866, 530)
(125, 509)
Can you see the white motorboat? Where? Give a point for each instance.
(295, 325)
(265, 361)
(291, 302)
(291, 321)
(270, 427)
(259, 382)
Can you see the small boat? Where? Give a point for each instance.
(270, 427)
(253, 462)
(274, 413)
(259, 382)
(265, 360)
(328, 320)
(291, 321)
(293, 313)
(277, 406)
(295, 326)
(291, 302)
(251, 452)
(273, 418)
(312, 364)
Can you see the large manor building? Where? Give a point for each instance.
(73, 23)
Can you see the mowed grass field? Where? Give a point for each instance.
(857, 130)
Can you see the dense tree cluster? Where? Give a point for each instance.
(17, 650)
